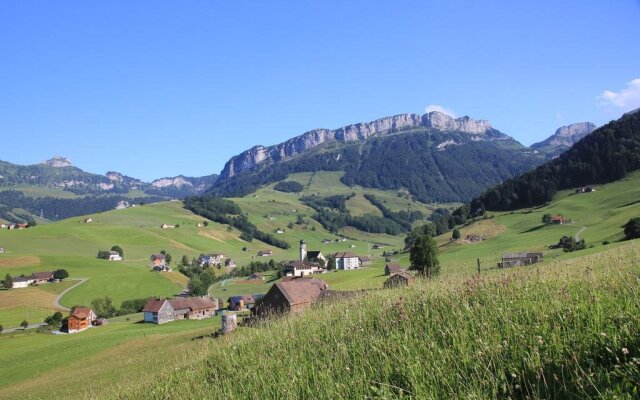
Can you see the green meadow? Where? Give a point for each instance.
(451, 312)
(563, 329)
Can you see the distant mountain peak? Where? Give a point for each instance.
(352, 133)
(565, 137)
(58, 162)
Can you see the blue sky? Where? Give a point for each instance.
(161, 88)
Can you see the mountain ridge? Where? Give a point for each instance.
(350, 133)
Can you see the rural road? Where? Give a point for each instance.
(57, 302)
(582, 229)
(30, 326)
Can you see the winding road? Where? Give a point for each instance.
(57, 302)
(577, 237)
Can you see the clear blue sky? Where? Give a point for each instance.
(160, 88)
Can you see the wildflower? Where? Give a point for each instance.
(625, 351)
(514, 375)
(603, 334)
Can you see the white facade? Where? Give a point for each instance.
(20, 284)
(115, 257)
(347, 263)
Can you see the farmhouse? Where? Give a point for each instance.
(558, 219)
(211, 260)
(42, 277)
(229, 263)
(22, 226)
(400, 279)
(166, 226)
(80, 319)
(291, 296)
(88, 220)
(391, 269)
(265, 253)
(21, 282)
(114, 256)
(158, 311)
(517, 259)
(193, 307)
(2, 250)
(244, 302)
(302, 268)
(347, 261)
(159, 263)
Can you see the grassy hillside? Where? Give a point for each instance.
(453, 311)
(567, 329)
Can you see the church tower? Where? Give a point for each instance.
(303, 250)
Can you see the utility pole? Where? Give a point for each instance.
(478, 266)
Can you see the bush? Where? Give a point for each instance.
(632, 228)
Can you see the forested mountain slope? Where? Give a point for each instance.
(606, 155)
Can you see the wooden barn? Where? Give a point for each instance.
(291, 296)
(400, 279)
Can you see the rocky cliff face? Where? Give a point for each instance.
(58, 162)
(565, 137)
(357, 132)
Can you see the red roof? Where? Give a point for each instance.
(45, 275)
(81, 312)
(302, 291)
(153, 305)
(192, 303)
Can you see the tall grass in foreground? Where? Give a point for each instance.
(568, 330)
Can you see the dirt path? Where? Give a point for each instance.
(582, 229)
(57, 301)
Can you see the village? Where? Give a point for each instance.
(301, 286)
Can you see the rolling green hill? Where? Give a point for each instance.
(72, 244)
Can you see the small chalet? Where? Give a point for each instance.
(4, 226)
(166, 226)
(80, 319)
(2, 251)
(211, 260)
(265, 253)
(400, 279)
(292, 296)
(391, 269)
(158, 311)
(302, 268)
(244, 302)
(378, 246)
(229, 263)
(518, 259)
(88, 220)
(365, 260)
(347, 261)
(558, 220)
(256, 276)
(42, 277)
(159, 263)
(114, 256)
(22, 226)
